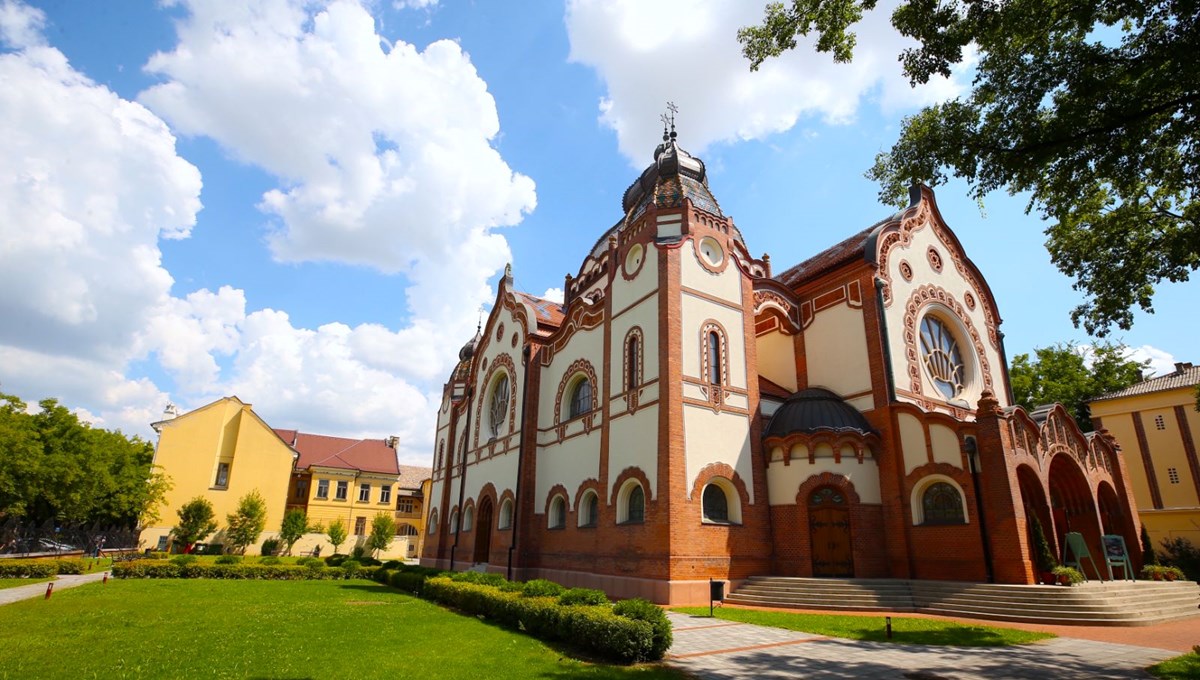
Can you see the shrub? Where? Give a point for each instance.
(1183, 554)
(358, 552)
(410, 581)
(351, 567)
(392, 564)
(1158, 572)
(478, 577)
(70, 566)
(310, 562)
(156, 555)
(593, 628)
(1070, 574)
(229, 559)
(336, 560)
(583, 596)
(540, 587)
(269, 559)
(27, 569)
(270, 547)
(271, 572)
(180, 560)
(643, 610)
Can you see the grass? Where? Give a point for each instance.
(18, 582)
(912, 631)
(270, 629)
(1177, 668)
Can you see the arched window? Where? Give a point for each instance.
(631, 503)
(498, 406)
(631, 363)
(714, 358)
(406, 529)
(468, 522)
(433, 517)
(941, 356)
(581, 398)
(941, 503)
(454, 521)
(716, 505)
(505, 520)
(558, 513)
(589, 509)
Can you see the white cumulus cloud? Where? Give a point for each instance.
(687, 51)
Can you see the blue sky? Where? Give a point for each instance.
(306, 204)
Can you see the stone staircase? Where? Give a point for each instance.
(1111, 603)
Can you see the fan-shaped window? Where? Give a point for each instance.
(942, 358)
(558, 513)
(581, 398)
(433, 518)
(589, 509)
(468, 522)
(498, 405)
(716, 505)
(506, 511)
(714, 358)
(941, 503)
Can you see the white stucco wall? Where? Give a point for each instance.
(777, 359)
(945, 445)
(835, 346)
(569, 463)
(783, 481)
(633, 442)
(716, 438)
(912, 440)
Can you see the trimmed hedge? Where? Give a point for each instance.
(41, 568)
(264, 572)
(599, 629)
(540, 587)
(586, 596)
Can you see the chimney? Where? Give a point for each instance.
(392, 441)
(170, 412)
(1181, 366)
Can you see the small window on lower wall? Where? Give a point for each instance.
(720, 502)
(631, 503)
(558, 513)
(589, 509)
(505, 520)
(940, 503)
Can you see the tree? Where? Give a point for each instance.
(1043, 556)
(196, 520)
(295, 525)
(55, 468)
(1149, 557)
(1061, 374)
(337, 533)
(383, 530)
(247, 522)
(1093, 108)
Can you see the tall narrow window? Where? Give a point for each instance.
(714, 358)
(322, 488)
(581, 398)
(364, 493)
(636, 513)
(343, 488)
(222, 475)
(631, 377)
(498, 408)
(360, 526)
(385, 493)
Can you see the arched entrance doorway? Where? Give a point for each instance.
(1033, 500)
(1074, 508)
(829, 530)
(483, 532)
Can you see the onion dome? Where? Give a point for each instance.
(468, 350)
(816, 410)
(674, 175)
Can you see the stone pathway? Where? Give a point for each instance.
(716, 649)
(29, 592)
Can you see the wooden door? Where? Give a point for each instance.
(483, 532)
(829, 530)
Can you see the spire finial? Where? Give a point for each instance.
(479, 323)
(674, 110)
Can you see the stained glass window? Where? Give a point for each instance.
(943, 361)
(942, 504)
(581, 398)
(498, 408)
(636, 506)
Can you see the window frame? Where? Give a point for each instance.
(949, 343)
(556, 513)
(360, 525)
(581, 390)
(588, 510)
(468, 518)
(504, 517)
(342, 491)
(497, 412)
(323, 489)
(222, 479)
(920, 519)
(364, 493)
(385, 493)
(624, 503)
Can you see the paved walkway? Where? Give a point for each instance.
(717, 649)
(10, 595)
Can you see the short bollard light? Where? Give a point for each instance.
(889, 627)
(105, 581)
(49, 589)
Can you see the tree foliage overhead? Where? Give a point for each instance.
(1091, 107)
(53, 467)
(1061, 374)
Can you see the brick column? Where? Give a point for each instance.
(1001, 497)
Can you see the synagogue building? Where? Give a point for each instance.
(691, 411)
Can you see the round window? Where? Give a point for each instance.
(633, 259)
(942, 358)
(711, 251)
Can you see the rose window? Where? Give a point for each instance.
(498, 408)
(943, 360)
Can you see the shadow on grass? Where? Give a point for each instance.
(960, 637)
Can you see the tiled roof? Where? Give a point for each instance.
(1184, 375)
(411, 476)
(829, 258)
(549, 313)
(767, 388)
(367, 455)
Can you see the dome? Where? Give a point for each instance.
(816, 410)
(468, 350)
(674, 175)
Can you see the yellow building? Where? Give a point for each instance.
(222, 452)
(1158, 428)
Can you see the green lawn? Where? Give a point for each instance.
(904, 630)
(1178, 668)
(269, 629)
(17, 582)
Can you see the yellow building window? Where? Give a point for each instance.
(222, 475)
(322, 488)
(385, 493)
(405, 505)
(364, 493)
(360, 526)
(343, 488)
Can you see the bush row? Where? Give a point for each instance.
(40, 568)
(631, 631)
(266, 572)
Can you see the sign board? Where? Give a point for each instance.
(1077, 547)
(1116, 555)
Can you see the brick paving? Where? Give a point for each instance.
(720, 650)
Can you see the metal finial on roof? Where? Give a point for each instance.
(479, 323)
(674, 110)
(665, 121)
